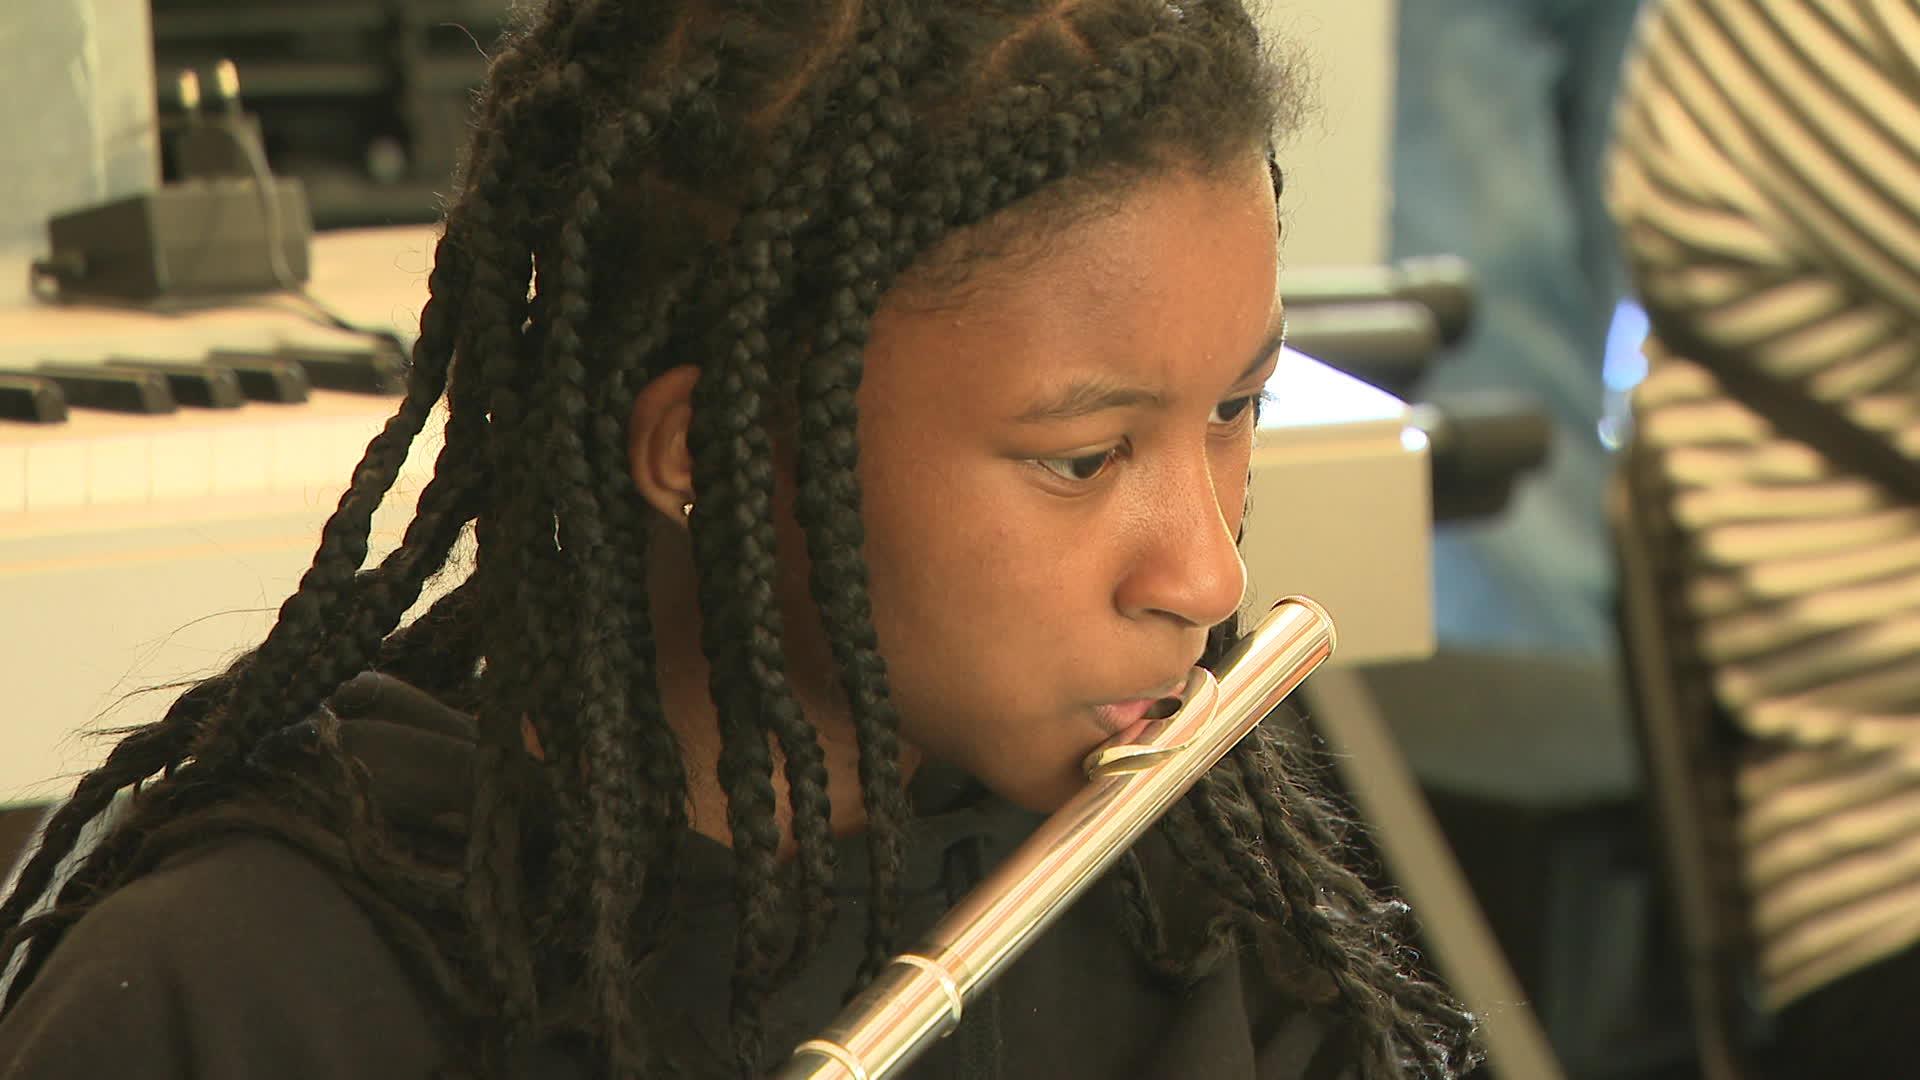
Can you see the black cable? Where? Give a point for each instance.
(269, 192)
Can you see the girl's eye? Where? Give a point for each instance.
(1233, 410)
(1081, 469)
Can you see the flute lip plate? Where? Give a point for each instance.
(1144, 753)
(1133, 757)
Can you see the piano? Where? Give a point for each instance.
(141, 551)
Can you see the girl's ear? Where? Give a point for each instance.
(657, 455)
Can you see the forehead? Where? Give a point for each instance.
(1174, 278)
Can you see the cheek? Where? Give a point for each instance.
(943, 555)
(966, 594)
(909, 542)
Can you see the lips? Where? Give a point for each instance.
(1120, 717)
(1176, 688)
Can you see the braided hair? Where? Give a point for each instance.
(740, 183)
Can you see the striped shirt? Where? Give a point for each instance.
(1765, 175)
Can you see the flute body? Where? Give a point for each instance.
(922, 994)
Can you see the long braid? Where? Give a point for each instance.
(1336, 931)
(656, 821)
(736, 570)
(142, 754)
(395, 585)
(440, 649)
(653, 813)
(495, 212)
(827, 502)
(734, 482)
(507, 543)
(601, 650)
(745, 767)
(1181, 964)
(1377, 950)
(631, 830)
(279, 679)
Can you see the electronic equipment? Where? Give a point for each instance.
(229, 230)
(367, 102)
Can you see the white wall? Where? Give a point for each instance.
(76, 77)
(1337, 164)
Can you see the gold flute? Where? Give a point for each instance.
(921, 995)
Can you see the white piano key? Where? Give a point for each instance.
(13, 479)
(182, 464)
(119, 470)
(56, 475)
(298, 452)
(242, 460)
(349, 445)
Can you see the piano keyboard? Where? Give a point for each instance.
(107, 461)
(141, 548)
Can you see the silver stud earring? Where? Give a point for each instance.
(686, 509)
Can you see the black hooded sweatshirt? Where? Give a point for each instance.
(246, 958)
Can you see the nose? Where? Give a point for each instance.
(1188, 567)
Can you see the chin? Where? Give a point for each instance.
(1044, 795)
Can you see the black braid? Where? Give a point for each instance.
(638, 742)
(324, 589)
(661, 800)
(440, 650)
(732, 450)
(1179, 963)
(601, 650)
(1342, 928)
(510, 563)
(1373, 944)
(827, 503)
(140, 755)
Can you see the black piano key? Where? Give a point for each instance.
(203, 386)
(31, 398)
(264, 378)
(110, 389)
(369, 370)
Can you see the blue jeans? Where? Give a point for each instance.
(1501, 126)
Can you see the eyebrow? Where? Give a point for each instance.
(1087, 396)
